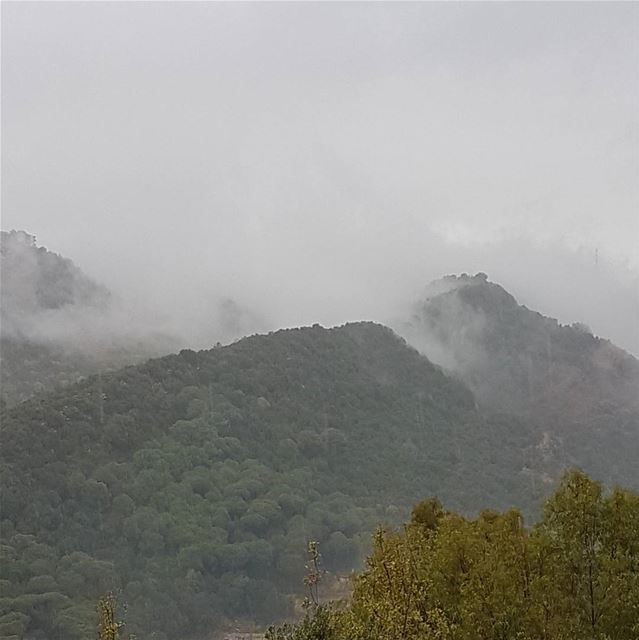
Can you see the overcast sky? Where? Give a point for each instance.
(322, 162)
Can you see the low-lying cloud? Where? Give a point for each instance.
(323, 162)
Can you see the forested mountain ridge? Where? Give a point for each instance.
(581, 391)
(193, 481)
(517, 360)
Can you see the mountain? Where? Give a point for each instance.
(58, 325)
(192, 482)
(518, 360)
(36, 281)
(582, 391)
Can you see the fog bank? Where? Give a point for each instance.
(323, 162)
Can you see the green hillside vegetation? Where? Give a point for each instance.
(575, 574)
(28, 368)
(191, 483)
(33, 367)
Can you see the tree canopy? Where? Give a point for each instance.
(574, 574)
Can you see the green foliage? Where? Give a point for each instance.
(575, 574)
(192, 483)
(317, 625)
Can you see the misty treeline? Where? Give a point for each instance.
(573, 575)
(516, 360)
(59, 326)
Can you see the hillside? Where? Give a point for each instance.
(58, 325)
(518, 360)
(192, 482)
(35, 281)
(582, 391)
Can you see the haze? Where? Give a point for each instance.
(323, 162)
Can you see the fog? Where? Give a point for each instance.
(323, 162)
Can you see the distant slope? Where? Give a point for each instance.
(55, 322)
(518, 360)
(582, 390)
(193, 481)
(35, 281)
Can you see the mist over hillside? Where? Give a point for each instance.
(517, 360)
(323, 164)
(58, 325)
(191, 482)
(581, 391)
(42, 291)
(222, 348)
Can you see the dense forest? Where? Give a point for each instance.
(191, 484)
(193, 481)
(575, 574)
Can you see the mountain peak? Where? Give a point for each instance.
(515, 359)
(477, 291)
(36, 280)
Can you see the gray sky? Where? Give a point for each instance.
(321, 162)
